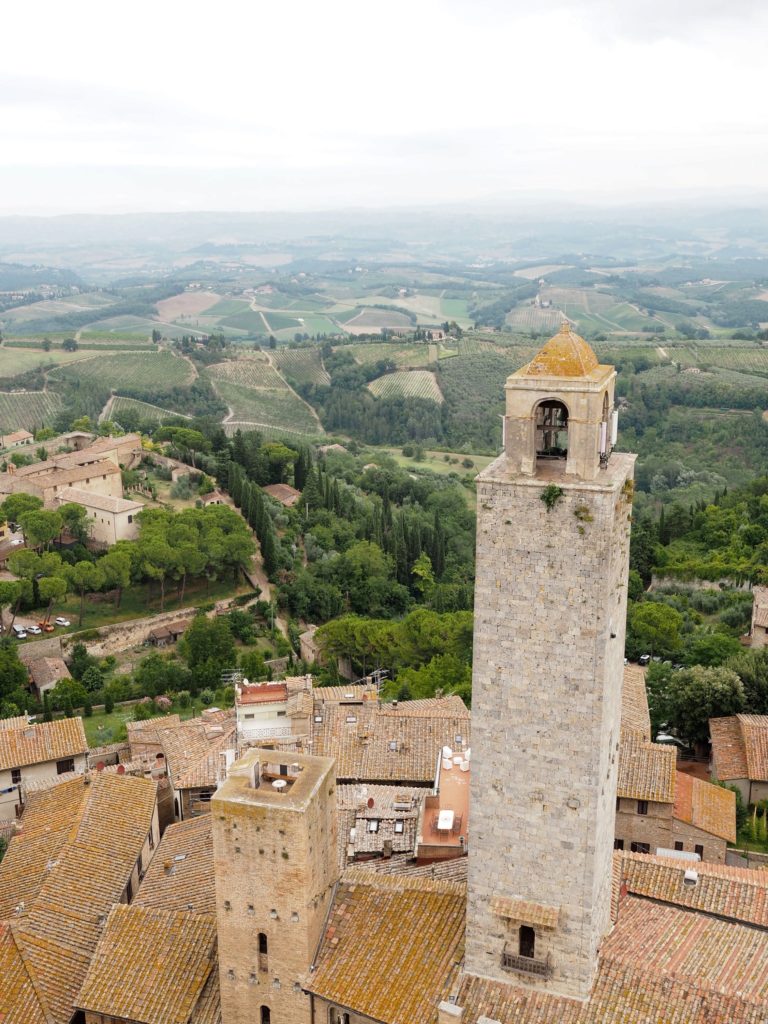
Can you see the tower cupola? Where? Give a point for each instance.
(560, 416)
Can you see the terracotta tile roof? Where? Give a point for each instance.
(754, 729)
(526, 911)
(740, 747)
(729, 757)
(45, 827)
(262, 693)
(65, 477)
(19, 722)
(390, 944)
(148, 731)
(706, 806)
(646, 770)
(48, 671)
(48, 741)
(59, 930)
(283, 493)
(188, 748)
(564, 355)
(719, 956)
(150, 965)
(454, 870)
(180, 875)
(20, 1001)
(737, 893)
(103, 502)
(378, 743)
(208, 1009)
(635, 716)
(355, 693)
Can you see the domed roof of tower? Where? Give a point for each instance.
(564, 355)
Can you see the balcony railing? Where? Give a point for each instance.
(526, 964)
(263, 732)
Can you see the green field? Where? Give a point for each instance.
(531, 318)
(30, 410)
(228, 307)
(48, 308)
(407, 384)
(269, 407)
(14, 361)
(120, 405)
(252, 371)
(303, 365)
(247, 320)
(156, 371)
(404, 356)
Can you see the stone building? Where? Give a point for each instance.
(274, 842)
(740, 754)
(29, 753)
(550, 611)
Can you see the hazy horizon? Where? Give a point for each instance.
(312, 107)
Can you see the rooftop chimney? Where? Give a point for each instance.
(449, 1013)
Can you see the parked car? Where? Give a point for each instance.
(644, 659)
(34, 630)
(17, 540)
(46, 627)
(20, 633)
(61, 621)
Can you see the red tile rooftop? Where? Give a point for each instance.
(262, 694)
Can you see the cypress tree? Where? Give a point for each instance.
(269, 551)
(47, 713)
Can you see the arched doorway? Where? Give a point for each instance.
(551, 429)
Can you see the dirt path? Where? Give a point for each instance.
(276, 368)
(662, 352)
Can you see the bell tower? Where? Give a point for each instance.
(550, 608)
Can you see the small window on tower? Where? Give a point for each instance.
(373, 825)
(642, 806)
(527, 941)
(551, 430)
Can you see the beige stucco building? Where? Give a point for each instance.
(758, 631)
(110, 519)
(31, 753)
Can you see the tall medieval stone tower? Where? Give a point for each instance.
(275, 862)
(550, 608)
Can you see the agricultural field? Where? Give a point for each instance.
(187, 304)
(404, 356)
(228, 307)
(534, 273)
(407, 384)
(119, 404)
(15, 360)
(256, 393)
(30, 410)
(595, 311)
(748, 358)
(369, 320)
(247, 320)
(455, 309)
(268, 407)
(282, 321)
(252, 371)
(155, 371)
(304, 365)
(528, 319)
(48, 308)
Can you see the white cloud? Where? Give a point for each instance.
(308, 105)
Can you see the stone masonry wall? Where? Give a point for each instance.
(550, 611)
(275, 869)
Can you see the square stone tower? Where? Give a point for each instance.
(275, 862)
(550, 608)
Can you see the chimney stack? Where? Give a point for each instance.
(449, 1013)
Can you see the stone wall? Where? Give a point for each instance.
(275, 867)
(550, 611)
(658, 828)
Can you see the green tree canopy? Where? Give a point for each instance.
(695, 695)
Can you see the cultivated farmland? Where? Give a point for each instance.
(407, 384)
(118, 405)
(185, 305)
(15, 360)
(303, 365)
(251, 371)
(155, 371)
(403, 356)
(30, 410)
(256, 393)
(531, 318)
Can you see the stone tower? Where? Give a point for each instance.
(550, 607)
(275, 862)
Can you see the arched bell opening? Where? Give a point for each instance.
(551, 430)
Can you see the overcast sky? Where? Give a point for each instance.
(225, 105)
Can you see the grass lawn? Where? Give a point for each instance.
(137, 602)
